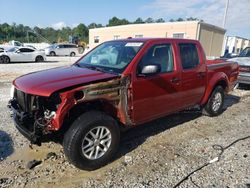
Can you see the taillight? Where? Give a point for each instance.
(244, 69)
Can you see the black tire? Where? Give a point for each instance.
(80, 49)
(1, 59)
(75, 136)
(209, 109)
(6, 59)
(39, 59)
(72, 54)
(52, 53)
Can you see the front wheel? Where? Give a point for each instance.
(92, 140)
(214, 106)
(72, 54)
(52, 53)
(5, 59)
(39, 59)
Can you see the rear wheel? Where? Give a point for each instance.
(215, 103)
(72, 54)
(1, 59)
(5, 59)
(39, 59)
(52, 54)
(92, 140)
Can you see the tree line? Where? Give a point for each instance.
(24, 33)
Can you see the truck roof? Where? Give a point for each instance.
(155, 39)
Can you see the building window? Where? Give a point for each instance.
(96, 39)
(139, 36)
(178, 35)
(116, 37)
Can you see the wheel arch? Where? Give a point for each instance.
(219, 79)
(77, 110)
(52, 51)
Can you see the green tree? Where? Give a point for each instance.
(81, 31)
(94, 25)
(149, 20)
(139, 21)
(180, 20)
(116, 21)
(160, 20)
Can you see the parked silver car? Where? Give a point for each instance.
(61, 50)
(244, 62)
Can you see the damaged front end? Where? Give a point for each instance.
(33, 114)
(37, 116)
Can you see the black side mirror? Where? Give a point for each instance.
(18, 51)
(149, 70)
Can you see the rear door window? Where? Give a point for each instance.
(189, 56)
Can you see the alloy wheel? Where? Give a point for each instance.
(96, 142)
(217, 101)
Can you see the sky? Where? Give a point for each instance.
(61, 13)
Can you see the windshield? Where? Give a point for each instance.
(245, 52)
(111, 57)
(12, 50)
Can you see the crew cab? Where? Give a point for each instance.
(119, 84)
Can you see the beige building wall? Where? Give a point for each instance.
(210, 38)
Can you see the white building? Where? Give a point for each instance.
(235, 44)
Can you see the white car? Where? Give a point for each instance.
(62, 49)
(244, 66)
(22, 54)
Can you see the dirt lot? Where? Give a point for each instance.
(158, 154)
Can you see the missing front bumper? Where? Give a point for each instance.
(25, 124)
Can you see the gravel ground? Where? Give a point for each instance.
(157, 154)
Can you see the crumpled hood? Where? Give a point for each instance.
(44, 83)
(245, 61)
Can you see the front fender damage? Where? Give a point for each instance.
(116, 91)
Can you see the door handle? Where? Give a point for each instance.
(175, 80)
(201, 74)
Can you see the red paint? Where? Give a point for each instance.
(44, 83)
(148, 97)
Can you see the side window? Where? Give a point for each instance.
(30, 50)
(26, 50)
(22, 50)
(159, 54)
(189, 56)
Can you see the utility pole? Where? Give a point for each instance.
(27, 35)
(224, 26)
(225, 14)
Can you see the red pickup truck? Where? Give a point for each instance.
(121, 83)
